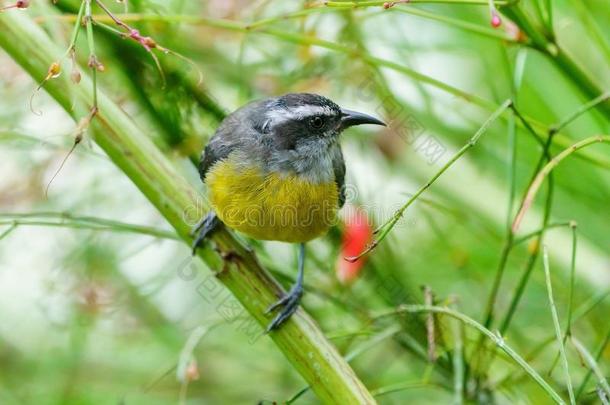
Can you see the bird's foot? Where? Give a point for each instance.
(289, 304)
(203, 229)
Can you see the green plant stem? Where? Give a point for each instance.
(535, 186)
(76, 29)
(549, 16)
(578, 314)
(558, 335)
(93, 63)
(591, 362)
(590, 304)
(354, 4)
(509, 244)
(458, 362)
(496, 339)
(383, 230)
(534, 254)
(402, 386)
(529, 266)
(581, 110)
(537, 232)
(598, 355)
(64, 219)
(594, 31)
(557, 55)
(300, 339)
(464, 25)
(12, 226)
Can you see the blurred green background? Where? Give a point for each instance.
(96, 312)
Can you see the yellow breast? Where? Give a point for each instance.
(272, 206)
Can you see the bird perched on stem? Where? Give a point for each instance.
(275, 171)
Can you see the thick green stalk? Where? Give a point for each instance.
(301, 341)
(564, 62)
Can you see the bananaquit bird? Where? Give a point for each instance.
(275, 171)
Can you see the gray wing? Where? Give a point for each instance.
(236, 131)
(212, 153)
(339, 170)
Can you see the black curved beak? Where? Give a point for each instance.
(350, 118)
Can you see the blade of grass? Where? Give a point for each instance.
(67, 220)
(458, 361)
(579, 313)
(537, 232)
(568, 330)
(496, 339)
(464, 25)
(558, 334)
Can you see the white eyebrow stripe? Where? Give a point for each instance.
(281, 114)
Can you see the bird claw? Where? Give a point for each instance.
(277, 304)
(290, 303)
(203, 229)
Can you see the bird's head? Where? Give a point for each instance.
(303, 118)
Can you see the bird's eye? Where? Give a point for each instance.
(316, 122)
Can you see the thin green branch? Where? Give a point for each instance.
(496, 339)
(458, 362)
(93, 62)
(359, 4)
(76, 29)
(590, 304)
(12, 226)
(538, 232)
(568, 330)
(558, 335)
(535, 186)
(580, 111)
(509, 245)
(578, 314)
(383, 230)
(461, 24)
(598, 355)
(67, 220)
(402, 386)
(591, 362)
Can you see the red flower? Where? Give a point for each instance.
(356, 237)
